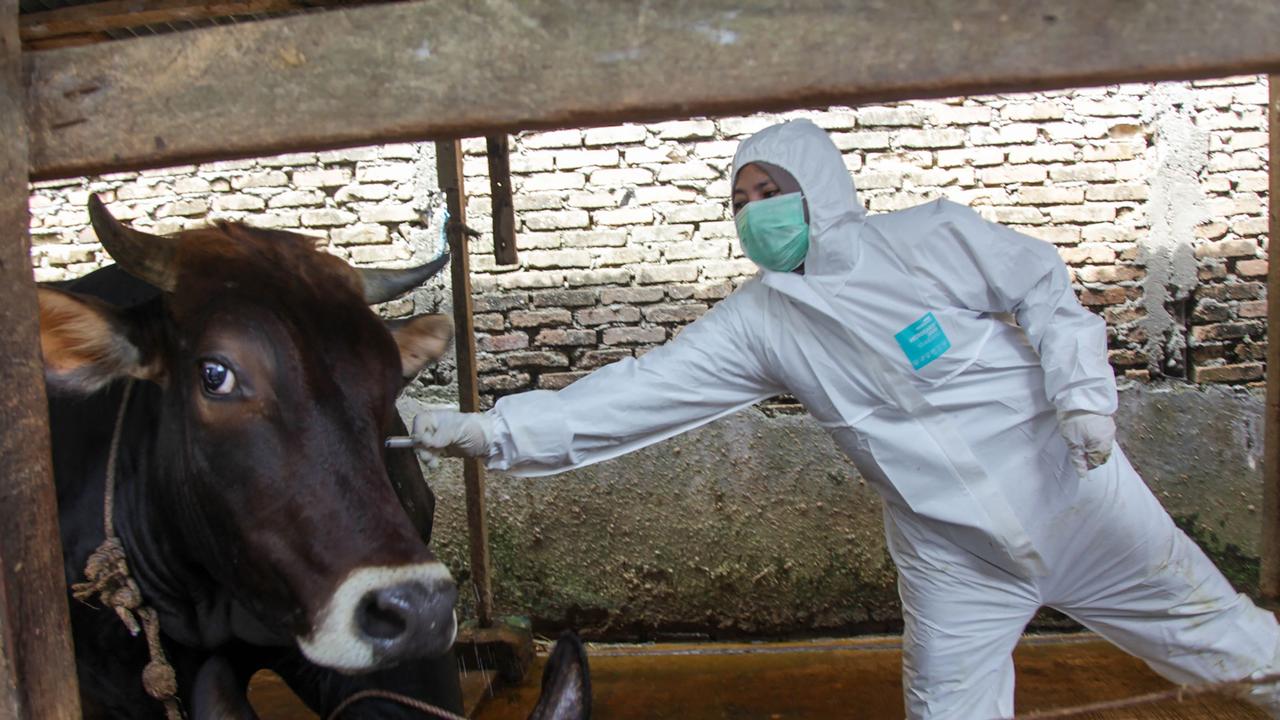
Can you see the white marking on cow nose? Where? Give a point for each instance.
(336, 640)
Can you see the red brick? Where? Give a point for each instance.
(1252, 309)
(1251, 351)
(1126, 358)
(489, 322)
(1229, 373)
(1109, 296)
(538, 318)
(631, 295)
(502, 343)
(596, 358)
(564, 298)
(536, 358)
(1226, 331)
(499, 302)
(1232, 291)
(601, 316)
(555, 381)
(1211, 312)
(499, 383)
(684, 313)
(1251, 268)
(566, 337)
(634, 335)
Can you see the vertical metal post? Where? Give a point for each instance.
(1270, 576)
(37, 667)
(504, 213)
(449, 174)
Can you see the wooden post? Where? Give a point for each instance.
(37, 668)
(449, 175)
(504, 213)
(1270, 576)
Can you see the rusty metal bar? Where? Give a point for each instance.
(1269, 580)
(37, 667)
(449, 175)
(504, 213)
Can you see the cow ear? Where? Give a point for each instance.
(86, 343)
(422, 340)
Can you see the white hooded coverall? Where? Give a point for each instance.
(896, 339)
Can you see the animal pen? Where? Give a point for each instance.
(89, 89)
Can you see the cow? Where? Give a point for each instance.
(260, 514)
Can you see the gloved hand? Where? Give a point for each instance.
(451, 433)
(1089, 439)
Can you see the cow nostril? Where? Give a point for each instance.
(383, 615)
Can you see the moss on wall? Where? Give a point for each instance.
(758, 526)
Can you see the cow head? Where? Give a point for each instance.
(279, 386)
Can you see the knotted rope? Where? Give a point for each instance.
(107, 577)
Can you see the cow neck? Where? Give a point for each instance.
(107, 577)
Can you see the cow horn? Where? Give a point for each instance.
(381, 285)
(147, 257)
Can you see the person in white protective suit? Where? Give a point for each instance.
(950, 359)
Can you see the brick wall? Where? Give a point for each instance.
(1154, 194)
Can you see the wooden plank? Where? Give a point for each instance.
(410, 71)
(449, 175)
(83, 24)
(504, 211)
(37, 673)
(1270, 574)
(121, 14)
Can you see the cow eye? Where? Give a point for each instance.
(218, 379)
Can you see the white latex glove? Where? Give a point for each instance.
(1089, 439)
(451, 433)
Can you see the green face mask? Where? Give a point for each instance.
(773, 232)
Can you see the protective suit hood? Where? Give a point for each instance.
(835, 215)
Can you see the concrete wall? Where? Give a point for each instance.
(757, 525)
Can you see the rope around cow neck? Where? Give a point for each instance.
(393, 697)
(107, 576)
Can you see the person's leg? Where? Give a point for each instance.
(1133, 577)
(962, 619)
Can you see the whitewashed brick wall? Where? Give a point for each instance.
(1154, 194)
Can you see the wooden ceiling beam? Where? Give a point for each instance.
(122, 14)
(85, 24)
(435, 69)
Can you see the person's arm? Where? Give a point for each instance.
(711, 369)
(992, 268)
(988, 267)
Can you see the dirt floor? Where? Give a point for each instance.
(807, 680)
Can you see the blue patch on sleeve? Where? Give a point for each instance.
(923, 341)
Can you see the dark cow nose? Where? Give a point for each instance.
(409, 620)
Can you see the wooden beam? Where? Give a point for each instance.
(80, 24)
(411, 71)
(122, 14)
(1270, 575)
(37, 668)
(449, 175)
(504, 211)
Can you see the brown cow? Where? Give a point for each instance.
(253, 496)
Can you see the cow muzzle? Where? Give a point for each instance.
(379, 616)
